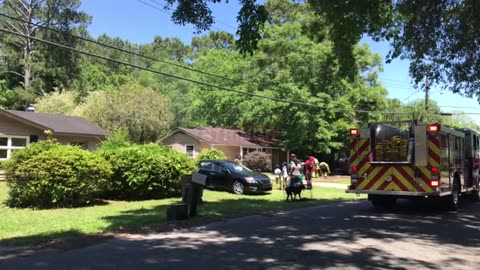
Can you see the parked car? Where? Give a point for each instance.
(342, 166)
(237, 178)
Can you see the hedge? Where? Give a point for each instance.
(145, 172)
(48, 175)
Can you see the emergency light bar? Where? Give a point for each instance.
(433, 128)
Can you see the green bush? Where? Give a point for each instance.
(258, 161)
(210, 154)
(146, 172)
(47, 175)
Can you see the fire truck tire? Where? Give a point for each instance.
(476, 192)
(382, 202)
(454, 200)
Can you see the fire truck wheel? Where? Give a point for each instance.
(454, 199)
(476, 194)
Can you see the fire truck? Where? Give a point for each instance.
(408, 159)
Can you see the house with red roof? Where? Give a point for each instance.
(232, 142)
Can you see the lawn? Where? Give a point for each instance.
(27, 226)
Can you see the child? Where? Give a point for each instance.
(278, 174)
(284, 174)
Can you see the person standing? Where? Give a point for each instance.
(278, 174)
(284, 174)
(317, 167)
(309, 170)
(295, 173)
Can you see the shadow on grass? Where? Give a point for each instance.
(336, 236)
(26, 245)
(154, 220)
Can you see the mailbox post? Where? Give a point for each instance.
(192, 191)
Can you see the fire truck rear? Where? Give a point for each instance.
(411, 159)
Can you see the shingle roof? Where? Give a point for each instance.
(59, 123)
(223, 136)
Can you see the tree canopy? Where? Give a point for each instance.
(299, 83)
(440, 38)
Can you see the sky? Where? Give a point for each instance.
(140, 21)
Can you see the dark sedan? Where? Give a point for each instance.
(228, 175)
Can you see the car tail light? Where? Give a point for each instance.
(354, 169)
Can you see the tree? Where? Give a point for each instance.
(25, 56)
(440, 38)
(290, 64)
(144, 113)
(57, 103)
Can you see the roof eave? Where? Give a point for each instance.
(23, 120)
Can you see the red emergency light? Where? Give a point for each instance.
(433, 128)
(434, 183)
(435, 169)
(353, 132)
(354, 169)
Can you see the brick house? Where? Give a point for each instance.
(19, 128)
(232, 142)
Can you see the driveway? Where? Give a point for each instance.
(346, 235)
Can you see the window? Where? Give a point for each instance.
(218, 167)
(80, 144)
(247, 150)
(9, 144)
(391, 142)
(206, 165)
(190, 150)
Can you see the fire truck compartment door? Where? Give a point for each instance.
(421, 149)
(364, 133)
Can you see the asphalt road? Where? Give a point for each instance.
(334, 236)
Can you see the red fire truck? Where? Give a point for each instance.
(390, 160)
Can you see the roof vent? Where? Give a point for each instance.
(30, 108)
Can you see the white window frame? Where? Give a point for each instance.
(9, 146)
(193, 150)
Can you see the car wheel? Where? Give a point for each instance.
(238, 187)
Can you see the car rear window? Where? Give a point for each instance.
(207, 165)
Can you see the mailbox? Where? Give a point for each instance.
(192, 191)
(199, 179)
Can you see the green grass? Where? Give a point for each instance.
(28, 226)
(345, 180)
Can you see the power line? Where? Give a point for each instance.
(130, 52)
(459, 107)
(159, 9)
(190, 80)
(169, 13)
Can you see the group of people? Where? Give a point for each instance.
(294, 173)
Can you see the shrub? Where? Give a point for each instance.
(146, 172)
(258, 161)
(116, 140)
(210, 154)
(55, 176)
